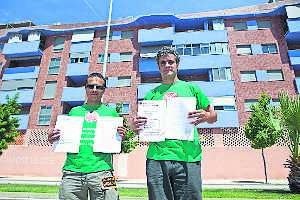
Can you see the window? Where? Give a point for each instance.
(58, 44)
(50, 90)
(101, 58)
(45, 115)
(244, 49)
(224, 107)
(15, 38)
(121, 108)
(218, 24)
(54, 66)
(126, 34)
(102, 35)
(122, 81)
(248, 76)
(264, 24)
(34, 36)
(274, 75)
(204, 48)
(221, 74)
(240, 26)
(126, 57)
(79, 57)
(269, 48)
(218, 48)
(248, 103)
(275, 102)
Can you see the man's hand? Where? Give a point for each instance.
(122, 131)
(138, 123)
(54, 135)
(200, 116)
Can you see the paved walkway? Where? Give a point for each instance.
(209, 184)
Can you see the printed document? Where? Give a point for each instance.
(177, 124)
(70, 133)
(154, 112)
(107, 139)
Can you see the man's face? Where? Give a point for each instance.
(168, 66)
(94, 89)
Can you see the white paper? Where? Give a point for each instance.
(107, 139)
(154, 112)
(177, 124)
(70, 133)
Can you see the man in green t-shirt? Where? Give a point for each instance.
(173, 167)
(89, 173)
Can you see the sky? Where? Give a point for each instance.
(42, 12)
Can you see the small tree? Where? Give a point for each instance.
(263, 128)
(8, 123)
(129, 142)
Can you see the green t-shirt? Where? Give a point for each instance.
(171, 149)
(87, 161)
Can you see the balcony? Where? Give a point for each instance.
(216, 88)
(148, 66)
(144, 88)
(155, 36)
(25, 97)
(295, 58)
(78, 72)
(211, 89)
(204, 62)
(226, 119)
(23, 121)
(200, 37)
(30, 72)
(73, 95)
(22, 49)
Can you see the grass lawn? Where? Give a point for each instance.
(130, 192)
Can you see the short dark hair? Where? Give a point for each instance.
(167, 50)
(96, 74)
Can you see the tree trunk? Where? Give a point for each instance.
(294, 175)
(265, 165)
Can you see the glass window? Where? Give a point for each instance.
(248, 103)
(264, 24)
(126, 57)
(54, 66)
(196, 49)
(247, 76)
(221, 74)
(239, 26)
(204, 48)
(269, 48)
(179, 49)
(102, 35)
(187, 49)
(124, 81)
(82, 57)
(50, 90)
(58, 44)
(126, 34)
(45, 115)
(274, 75)
(244, 49)
(101, 58)
(218, 24)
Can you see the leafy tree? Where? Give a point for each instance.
(290, 116)
(263, 127)
(8, 123)
(129, 142)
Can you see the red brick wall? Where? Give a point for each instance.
(252, 90)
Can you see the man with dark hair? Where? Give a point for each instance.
(173, 166)
(86, 172)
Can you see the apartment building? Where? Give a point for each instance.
(233, 55)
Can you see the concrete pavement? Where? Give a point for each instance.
(133, 183)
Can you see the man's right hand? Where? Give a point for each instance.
(54, 135)
(138, 123)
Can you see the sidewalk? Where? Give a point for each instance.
(141, 183)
